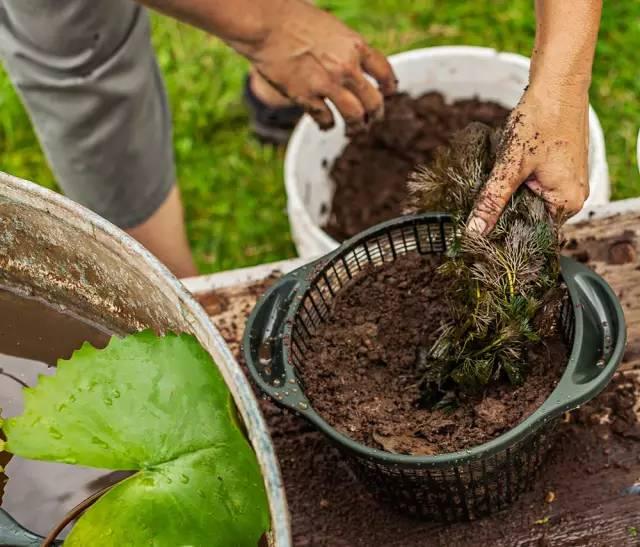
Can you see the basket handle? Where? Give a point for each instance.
(263, 350)
(599, 337)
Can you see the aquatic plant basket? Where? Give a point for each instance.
(450, 487)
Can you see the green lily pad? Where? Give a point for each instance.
(158, 406)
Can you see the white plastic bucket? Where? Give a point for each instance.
(455, 71)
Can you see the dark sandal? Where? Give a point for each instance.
(270, 124)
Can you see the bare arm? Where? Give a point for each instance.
(545, 143)
(566, 35)
(306, 53)
(241, 23)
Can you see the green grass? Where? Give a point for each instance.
(232, 186)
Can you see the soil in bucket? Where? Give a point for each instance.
(361, 373)
(33, 336)
(371, 173)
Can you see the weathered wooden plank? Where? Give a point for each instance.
(610, 245)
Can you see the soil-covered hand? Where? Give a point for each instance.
(310, 56)
(545, 146)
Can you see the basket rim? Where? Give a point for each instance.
(560, 400)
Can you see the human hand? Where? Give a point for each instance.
(309, 56)
(545, 146)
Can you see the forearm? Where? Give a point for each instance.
(243, 24)
(566, 35)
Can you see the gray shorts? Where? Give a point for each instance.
(88, 76)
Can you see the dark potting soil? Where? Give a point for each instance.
(371, 173)
(360, 374)
(588, 492)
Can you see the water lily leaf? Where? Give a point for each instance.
(158, 406)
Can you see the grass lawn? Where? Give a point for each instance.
(233, 187)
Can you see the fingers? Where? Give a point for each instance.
(349, 85)
(340, 79)
(376, 64)
(319, 111)
(349, 107)
(346, 102)
(356, 107)
(565, 199)
(505, 179)
(316, 83)
(538, 188)
(370, 97)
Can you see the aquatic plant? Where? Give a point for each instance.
(504, 293)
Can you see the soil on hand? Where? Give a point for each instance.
(371, 174)
(360, 374)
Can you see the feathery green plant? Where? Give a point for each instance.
(505, 292)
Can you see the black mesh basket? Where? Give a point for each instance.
(448, 487)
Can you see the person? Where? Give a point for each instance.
(87, 74)
(86, 71)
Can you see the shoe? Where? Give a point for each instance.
(270, 124)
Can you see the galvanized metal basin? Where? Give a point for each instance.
(52, 248)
